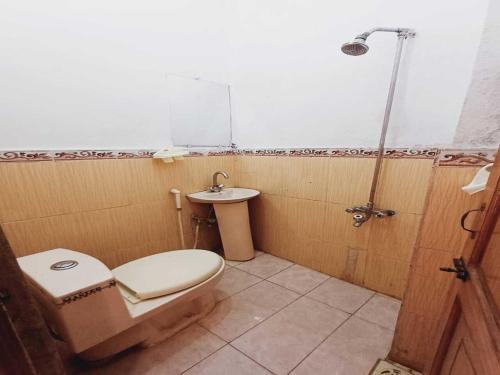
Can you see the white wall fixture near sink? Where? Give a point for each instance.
(231, 209)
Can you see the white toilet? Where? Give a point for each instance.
(99, 312)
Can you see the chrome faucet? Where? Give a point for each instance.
(363, 213)
(216, 187)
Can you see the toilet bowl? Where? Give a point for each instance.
(99, 312)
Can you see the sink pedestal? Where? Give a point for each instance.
(234, 228)
(231, 209)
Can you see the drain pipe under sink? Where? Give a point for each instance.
(177, 194)
(196, 234)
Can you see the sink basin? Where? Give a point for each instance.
(228, 195)
(233, 221)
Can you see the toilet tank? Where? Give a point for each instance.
(78, 296)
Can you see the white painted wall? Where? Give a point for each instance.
(91, 74)
(479, 124)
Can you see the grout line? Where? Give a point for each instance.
(349, 315)
(331, 334)
(378, 325)
(302, 294)
(270, 316)
(253, 360)
(264, 278)
(362, 305)
(327, 305)
(208, 356)
(216, 335)
(284, 269)
(284, 287)
(340, 309)
(317, 346)
(259, 323)
(321, 283)
(242, 290)
(67, 213)
(226, 343)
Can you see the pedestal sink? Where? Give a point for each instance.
(231, 209)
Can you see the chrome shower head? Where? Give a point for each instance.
(357, 47)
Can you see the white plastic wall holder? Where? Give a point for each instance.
(168, 155)
(479, 181)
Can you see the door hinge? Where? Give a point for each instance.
(459, 269)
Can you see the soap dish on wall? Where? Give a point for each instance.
(479, 181)
(168, 155)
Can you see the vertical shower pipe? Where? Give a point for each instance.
(387, 115)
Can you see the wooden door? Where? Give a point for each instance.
(470, 343)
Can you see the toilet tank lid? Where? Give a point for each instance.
(63, 272)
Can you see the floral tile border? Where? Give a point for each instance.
(430, 153)
(440, 157)
(23, 156)
(465, 158)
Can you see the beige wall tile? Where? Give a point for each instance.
(403, 185)
(301, 250)
(196, 174)
(331, 258)
(269, 222)
(349, 180)
(92, 185)
(395, 236)
(152, 179)
(355, 266)
(119, 210)
(305, 178)
(338, 227)
(264, 173)
(100, 233)
(386, 275)
(30, 190)
(305, 218)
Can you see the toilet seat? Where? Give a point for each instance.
(166, 273)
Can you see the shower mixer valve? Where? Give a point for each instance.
(364, 213)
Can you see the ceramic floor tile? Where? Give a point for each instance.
(173, 356)
(299, 279)
(237, 314)
(341, 295)
(234, 263)
(352, 349)
(264, 265)
(286, 338)
(232, 282)
(227, 361)
(381, 310)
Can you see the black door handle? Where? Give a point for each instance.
(459, 269)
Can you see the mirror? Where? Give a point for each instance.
(199, 112)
